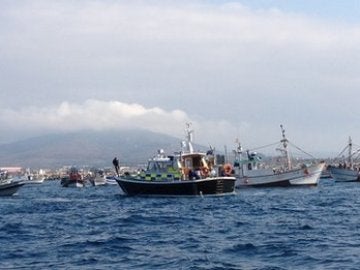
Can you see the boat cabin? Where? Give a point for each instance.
(195, 166)
(162, 164)
(249, 164)
(160, 168)
(3, 175)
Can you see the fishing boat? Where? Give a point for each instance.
(186, 173)
(33, 179)
(251, 172)
(346, 171)
(8, 186)
(74, 179)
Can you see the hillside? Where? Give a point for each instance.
(90, 148)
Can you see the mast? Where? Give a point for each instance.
(238, 153)
(350, 152)
(189, 137)
(285, 141)
(239, 149)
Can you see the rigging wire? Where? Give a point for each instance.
(265, 146)
(278, 143)
(298, 148)
(356, 152)
(346, 147)
(354, 144)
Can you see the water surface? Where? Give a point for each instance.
(47, 226)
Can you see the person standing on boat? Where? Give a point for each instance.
(116, 165)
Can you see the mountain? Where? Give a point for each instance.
(87, 148)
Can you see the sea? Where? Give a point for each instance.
(46, 226)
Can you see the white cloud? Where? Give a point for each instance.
(115, 115)
(92, 114)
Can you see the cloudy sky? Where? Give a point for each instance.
(235, 69)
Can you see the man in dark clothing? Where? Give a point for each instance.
(116, 165)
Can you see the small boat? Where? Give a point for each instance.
(346, 171)
(30, 179)
(182, 174)
(251, 172)
(97, 178)
(110, 180)
(8, 186)
(74, 179)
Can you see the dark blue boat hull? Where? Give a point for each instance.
(208, 186)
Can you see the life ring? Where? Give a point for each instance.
(204, 171)
(227, 169)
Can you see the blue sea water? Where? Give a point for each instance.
(47, 226)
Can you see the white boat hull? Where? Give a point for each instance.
(344, 175)
(267, 178)
(98, 181)
(34, 181)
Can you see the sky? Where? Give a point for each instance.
(234, 69)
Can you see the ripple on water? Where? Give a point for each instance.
(46, 226)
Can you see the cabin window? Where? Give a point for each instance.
(151, 166)
(197, 162)
(188, 163)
